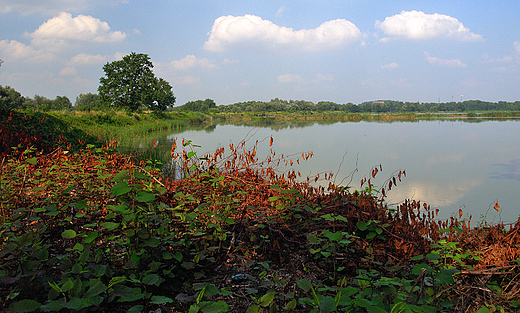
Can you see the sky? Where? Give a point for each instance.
(235, 51)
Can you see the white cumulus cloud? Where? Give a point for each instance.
(322, 77)
(390, 66)
(68, 71)
(516, 44)
(187, 80)
(290, 78)
(251, 30)
(190, 62)
(417, 25)
(444, 62)
(281, 10)
(87, 59)
(12, 49)
(64, 28)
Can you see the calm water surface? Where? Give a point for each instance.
(450, 164)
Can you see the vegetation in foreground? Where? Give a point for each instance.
(92, 230)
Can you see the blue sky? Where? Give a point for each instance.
(233, 51)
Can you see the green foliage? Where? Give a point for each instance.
(198, 105)
(96, 231)
(61, 103)
(10, 99)
(87, 102)
(130, 83)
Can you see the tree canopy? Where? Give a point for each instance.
(130, 83)
(198, 105)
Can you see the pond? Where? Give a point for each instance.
(450, 164)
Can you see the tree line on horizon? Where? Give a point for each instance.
(9, 97)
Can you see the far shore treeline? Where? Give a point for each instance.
(11, 98)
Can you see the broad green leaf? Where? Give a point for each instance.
(26, 305)
(32, 160)
(136, 309)
(371, 235)
(483, 310)
(161, 300)
(267, 299)
(91, 236)
(120, 189)
(120, 175)
(401, 307)
(67, 285)
(68, 234)
(327, 304)
(291, 305)
(143, 196)
(152, 242)
(433, 256)
(304, 284)
(178, 256)
(361, 225)
(151, 279)
(76, 269)
(127, 294)
(96, 289)
(214, 307)
(78, 247)
(110, 225)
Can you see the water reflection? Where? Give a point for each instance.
(450, 163)
(508, 170)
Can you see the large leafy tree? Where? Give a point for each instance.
(130, 83)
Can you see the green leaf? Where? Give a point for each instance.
(120, 189)
(116, 280)
(67, 285)
(327, 304)
(143, 196)
(91, 236)
(214, 307)
(267, 299)
(68, 234)
(401, 307)
(120, 175)
(417, 269)
(433, 256)
(26, 305)
(291, 305)
(127, 294)
(96, 289)
(136, 309)
(371, 235)
(76, 269)
(110, 225)
(55, 287)
(161, 300)
(151, 279)
(304, 285)
(32, 160)
(361, 225)
(254, 308)
(178, 256)
(152, 242)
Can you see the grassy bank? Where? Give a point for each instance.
(87, 229)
